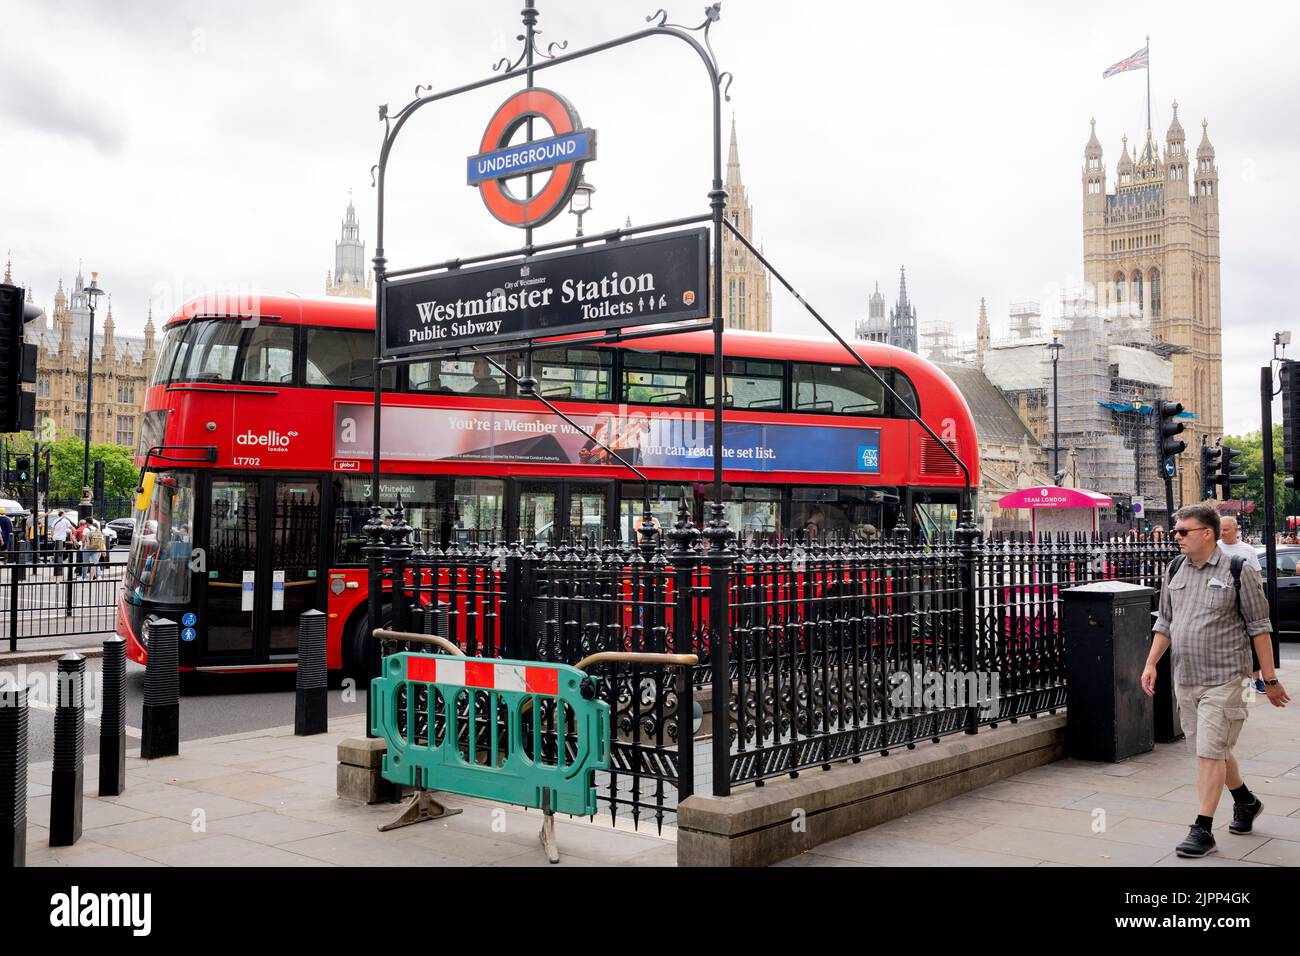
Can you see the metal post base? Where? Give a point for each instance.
(547, 836)
(419, 808)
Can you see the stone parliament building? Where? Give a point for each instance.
(1151, 252)
(122, 367)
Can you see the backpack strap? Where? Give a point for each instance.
(1239, 562)
(1174, 565)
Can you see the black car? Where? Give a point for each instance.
(1288, 589)
(123, 528)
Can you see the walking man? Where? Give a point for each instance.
(60, 531)
(1211, 620)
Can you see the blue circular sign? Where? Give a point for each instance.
(189, 618)
(187, 634)
(1169, 467)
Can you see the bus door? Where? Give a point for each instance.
(935, 516)
(263, 566)
(550, 511)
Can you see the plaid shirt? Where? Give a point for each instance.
(1198, 613)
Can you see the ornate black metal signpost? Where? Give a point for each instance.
(444, 309)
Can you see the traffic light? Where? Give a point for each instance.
(1166, 428)
(1209, 465)
(23, 469)
(1230, 471)
(17, 361)
(1290, 374)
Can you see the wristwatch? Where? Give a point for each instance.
(1270, 683)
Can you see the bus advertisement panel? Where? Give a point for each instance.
(672, 440)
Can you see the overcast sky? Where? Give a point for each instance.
(185, 145)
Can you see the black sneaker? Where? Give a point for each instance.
(1198, 843)
(1244, 814)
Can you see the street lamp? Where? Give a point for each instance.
(93, 292)
(1055, 346)
(580, 203)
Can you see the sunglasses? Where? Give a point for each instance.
(1180, 532)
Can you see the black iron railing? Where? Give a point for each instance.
(59, 591)
(837, 649)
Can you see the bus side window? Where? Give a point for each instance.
(565, 374)
(747, 384)
(845, 390)
(902, 385)
(657, 379)
(343, 358)
(470, 376)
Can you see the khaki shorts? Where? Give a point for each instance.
(1212, 716)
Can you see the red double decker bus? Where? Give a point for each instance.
(256, 445)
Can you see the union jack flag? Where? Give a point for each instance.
(1138, 61)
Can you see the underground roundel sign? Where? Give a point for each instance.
(556, 159)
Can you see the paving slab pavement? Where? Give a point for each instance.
(1079, 813)
(267, 798)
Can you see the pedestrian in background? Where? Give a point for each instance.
(6, 535)
(1230, 543)
(93, 549)
(1210, 625)
(60, 534)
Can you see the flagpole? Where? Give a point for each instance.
(1148, 83)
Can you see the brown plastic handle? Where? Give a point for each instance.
(385, 635)
(626, 657)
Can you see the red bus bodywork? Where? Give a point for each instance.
(223, 416)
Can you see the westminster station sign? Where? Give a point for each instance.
(658, 279)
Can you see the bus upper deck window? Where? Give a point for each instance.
(268, 356)
(656, 379)
(469, 376)
(572, 374)
(167, 354)
(905, 391)
(841, 389)
(344, 358)
(208, 352)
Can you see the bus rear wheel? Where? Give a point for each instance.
(354, 642)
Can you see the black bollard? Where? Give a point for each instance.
(311, 707)
(112, 720)
(160, 723)
(13, 775)
(69, 750)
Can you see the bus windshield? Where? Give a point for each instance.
(159, 567)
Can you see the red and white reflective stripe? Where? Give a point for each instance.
(487, 675)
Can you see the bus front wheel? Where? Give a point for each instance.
(354, 642)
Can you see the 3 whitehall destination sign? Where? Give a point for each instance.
(658, 279)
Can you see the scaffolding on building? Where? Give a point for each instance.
(1110, 376)
(1026, 320)
(941, 343)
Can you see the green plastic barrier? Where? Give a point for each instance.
(487, 754)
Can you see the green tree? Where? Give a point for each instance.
(66, 456)
(1251, 446)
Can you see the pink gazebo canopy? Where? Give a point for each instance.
(1048, 496)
